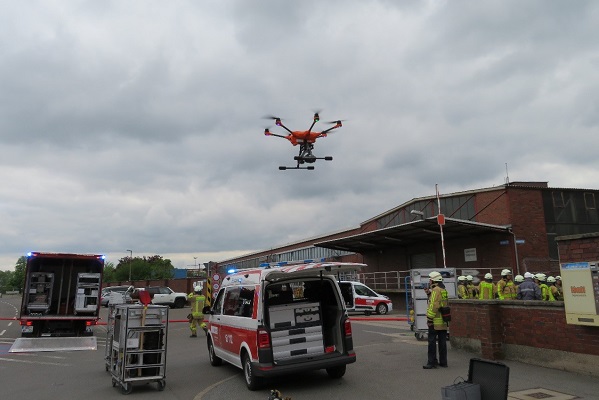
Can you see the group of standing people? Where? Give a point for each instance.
(528, 287)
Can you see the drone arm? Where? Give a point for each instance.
(324, 133)
(274, 134)
(279, 123)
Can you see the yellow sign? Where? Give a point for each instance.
(208, 301)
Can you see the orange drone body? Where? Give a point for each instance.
(305, 139)
(304, 136)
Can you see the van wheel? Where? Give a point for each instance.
(252, 381)
(336, 372)
(215, 361)
(381, 309)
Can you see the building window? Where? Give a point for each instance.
(558, 199)
(589, 201)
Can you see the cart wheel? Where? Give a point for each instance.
(161, 384)
(113, 382)
(412, 328)
(106, 367)
(127, 388)
(420, 336)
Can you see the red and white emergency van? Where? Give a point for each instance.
(280, 320)
(359, 298)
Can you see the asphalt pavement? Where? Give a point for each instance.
(389, 366)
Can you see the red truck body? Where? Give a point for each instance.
(61, 296)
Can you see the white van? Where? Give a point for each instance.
(280, 320)
(362, 299)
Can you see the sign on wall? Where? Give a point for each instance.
(470, 254)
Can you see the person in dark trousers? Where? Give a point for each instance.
(528, 290)
(437, 328)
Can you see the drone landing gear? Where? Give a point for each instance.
(307, 159)
(309, 168)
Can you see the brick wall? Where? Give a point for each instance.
(494, 328)
(576, 248)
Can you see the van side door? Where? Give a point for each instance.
(365, 298)
(216, 322)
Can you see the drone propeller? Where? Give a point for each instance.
(339, 121)
(317, 115)
(276, 119)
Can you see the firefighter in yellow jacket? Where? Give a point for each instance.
(196, 317)
(437, 328)
(487, 289)
(506, 290)
(546, 294)
(463, 292)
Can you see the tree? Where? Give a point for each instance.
(18, 277)
(142, 268)
(109, 272)
(5, 281)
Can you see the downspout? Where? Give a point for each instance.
(515, 250)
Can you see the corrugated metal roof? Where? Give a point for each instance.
(426, 230)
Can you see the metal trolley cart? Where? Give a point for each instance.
(138, 350)
(116, 298)
(419, 299)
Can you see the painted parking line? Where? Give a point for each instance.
(33, 362)
(3, 332)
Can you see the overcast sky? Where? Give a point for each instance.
(138, 124)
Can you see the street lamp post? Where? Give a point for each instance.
(130, 259)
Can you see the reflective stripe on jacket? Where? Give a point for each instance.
(487, 291)
(463, 292)
(197, 304)
(506, 290)
(438, 298)
(546, 294)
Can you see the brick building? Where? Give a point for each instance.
(508, 226)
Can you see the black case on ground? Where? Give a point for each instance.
(493, 378)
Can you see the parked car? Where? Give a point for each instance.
(105, 294)
(165, 296)
(360, 298)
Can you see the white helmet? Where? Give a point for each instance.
(518, 278)
(435, 276)
(541, 277)
(461, 278)
(469, 278)
(506, 272)
(558, 278)
(550, 279)
(488, 275)
(528, 275)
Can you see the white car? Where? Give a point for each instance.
(165, 296)
(360, 298)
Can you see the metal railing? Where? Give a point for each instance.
(395, 280)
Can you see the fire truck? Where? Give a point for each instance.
(61, 296)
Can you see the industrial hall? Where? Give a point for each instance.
(513, 225)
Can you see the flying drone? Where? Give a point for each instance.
(305, 139)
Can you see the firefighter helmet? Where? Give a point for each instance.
(518, 278)
(461, 278)
(469, 278)
(435, 276)
(541, 277)
(506, 272)
(488, 276)
(550, 279)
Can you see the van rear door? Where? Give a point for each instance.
(312, 269)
